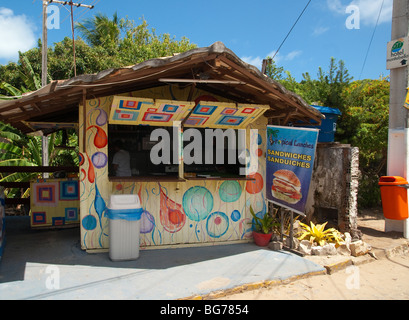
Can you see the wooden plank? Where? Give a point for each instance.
(37, 169)
(147, 179)
(84, 117)
(15, 184)
(14, 201)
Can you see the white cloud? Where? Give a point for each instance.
(292, 55)
(258, 61)
(336, 6)
(254, 61)
(17, 34)
(368, 9)
(319, 31)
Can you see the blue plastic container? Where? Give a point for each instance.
(329, 124)
(126, 214)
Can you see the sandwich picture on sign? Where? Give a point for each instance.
(286, 187)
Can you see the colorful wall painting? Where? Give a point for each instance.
(214, 114)
(136, 111)
(207, 114)
(191, 212)
(54, 202)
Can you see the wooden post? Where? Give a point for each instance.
(84, 117)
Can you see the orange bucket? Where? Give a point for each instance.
(394, 197)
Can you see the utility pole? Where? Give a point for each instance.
(44, 56)
(44, 61)
(398, 144)
(44, 47)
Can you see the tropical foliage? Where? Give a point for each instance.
(30, 80)
(100, 30)
(265, 224)
(320, 235)
(105, 43)
(17, 149)
(365, 124)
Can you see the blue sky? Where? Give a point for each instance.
(252, 29)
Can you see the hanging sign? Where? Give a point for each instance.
(289, 164)
(398, 54)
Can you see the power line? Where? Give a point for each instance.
(370, 42)
(295, 23)
(82, 13)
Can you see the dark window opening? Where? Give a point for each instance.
(218, 156)
(208, 153)
(137, 141)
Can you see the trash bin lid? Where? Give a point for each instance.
(124, 202)
(327, 110)
(392, 181)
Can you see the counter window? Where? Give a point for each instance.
(143, 151)
(213, 153)
(133, 143)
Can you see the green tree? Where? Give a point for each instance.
(140, 44)
(109, 43)
(100, 30)
(18, 149)
(366, 122)
(327, 89)
(29, 80)
(273, 71)
(366, 119)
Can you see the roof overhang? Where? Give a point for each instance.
(215, 69)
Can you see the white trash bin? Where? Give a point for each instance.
(124, 213)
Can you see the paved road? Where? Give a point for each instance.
(379, 280)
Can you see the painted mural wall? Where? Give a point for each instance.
(54, 202)
(191, 212)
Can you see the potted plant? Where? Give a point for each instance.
(262, 228)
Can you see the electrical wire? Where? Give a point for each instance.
(295, 23)
(370, 42)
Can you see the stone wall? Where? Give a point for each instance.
(334, 187)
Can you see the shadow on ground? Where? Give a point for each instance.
(62, 247)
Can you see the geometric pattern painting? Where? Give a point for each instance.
(38, 218)
(141, 111)
(222, 115)
(71, 214)
(54, 202)
(45, 194)
(69, 190)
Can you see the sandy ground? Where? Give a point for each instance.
(379, 280)
(384, 278)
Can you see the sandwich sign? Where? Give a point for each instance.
(289, 164)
